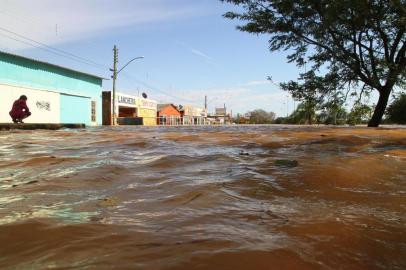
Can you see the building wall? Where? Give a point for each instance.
(193, 115)
(147, 109)
(75, 109)
(169, 115)
(37, 76)
(149, 116)
(44, 105)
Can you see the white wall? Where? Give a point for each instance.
(44, 105)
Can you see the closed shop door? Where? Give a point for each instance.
(75, 110)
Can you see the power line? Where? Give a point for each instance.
(154, 88)
(59, 52)
(53, 50)
(44, 49)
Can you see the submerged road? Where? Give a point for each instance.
(265, 197)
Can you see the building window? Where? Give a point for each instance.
(93, 111)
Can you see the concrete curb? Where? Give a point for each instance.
(26, 126)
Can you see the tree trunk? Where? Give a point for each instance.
(380, 108)
(310, 118)
(335, 117)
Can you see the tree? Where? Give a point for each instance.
(396, 112)
(304, 113)
(359, 114)
(280, 120)
(362, 41)
(310, 92)
(336, 115)
(261, 117)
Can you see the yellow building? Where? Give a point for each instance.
(147, 109)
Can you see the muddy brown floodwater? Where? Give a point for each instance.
(266, 197)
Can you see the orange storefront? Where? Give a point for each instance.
(168, 115)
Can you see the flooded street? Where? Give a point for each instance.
(266, 197)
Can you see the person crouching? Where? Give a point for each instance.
(20, 110)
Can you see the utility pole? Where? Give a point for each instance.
(205, 109)
(114, 77)
(225, 113)
(115, 50)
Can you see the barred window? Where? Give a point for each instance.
(93, 111)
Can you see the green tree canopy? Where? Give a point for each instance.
(359, 114)
(361, 42)
(261, 117)
(396, 112)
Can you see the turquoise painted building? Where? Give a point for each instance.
(55, 94)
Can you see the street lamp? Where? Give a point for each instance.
(115, 73)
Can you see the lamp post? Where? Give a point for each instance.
(114, 77)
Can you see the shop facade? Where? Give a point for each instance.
(168, 115)
(130, 110)
(147, 110)
(193, 115)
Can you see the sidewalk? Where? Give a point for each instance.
(26, 126)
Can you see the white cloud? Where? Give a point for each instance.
(196, 52)
(201, 54)
(237, 98)
(53, 22)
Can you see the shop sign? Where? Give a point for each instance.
(148, 104)
(126, 100)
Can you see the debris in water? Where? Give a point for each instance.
(242, 153)
(108, 202)
(31, 182)
(286, 163)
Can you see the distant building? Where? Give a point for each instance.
(130, 110)
(220, 112)
(192, 115)
(242, 118)
(168, 115)
(220, 117)
(55, 94)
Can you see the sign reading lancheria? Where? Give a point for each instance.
(126, 100)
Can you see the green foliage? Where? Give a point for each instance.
(315, 92)
(359, 114)
(304, 114)
(280, 120)
(361, 43)
(261, 117)
(336, 115)
(396, 112)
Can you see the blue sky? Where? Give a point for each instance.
(190, 49)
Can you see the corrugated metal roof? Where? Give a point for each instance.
(54, 65)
